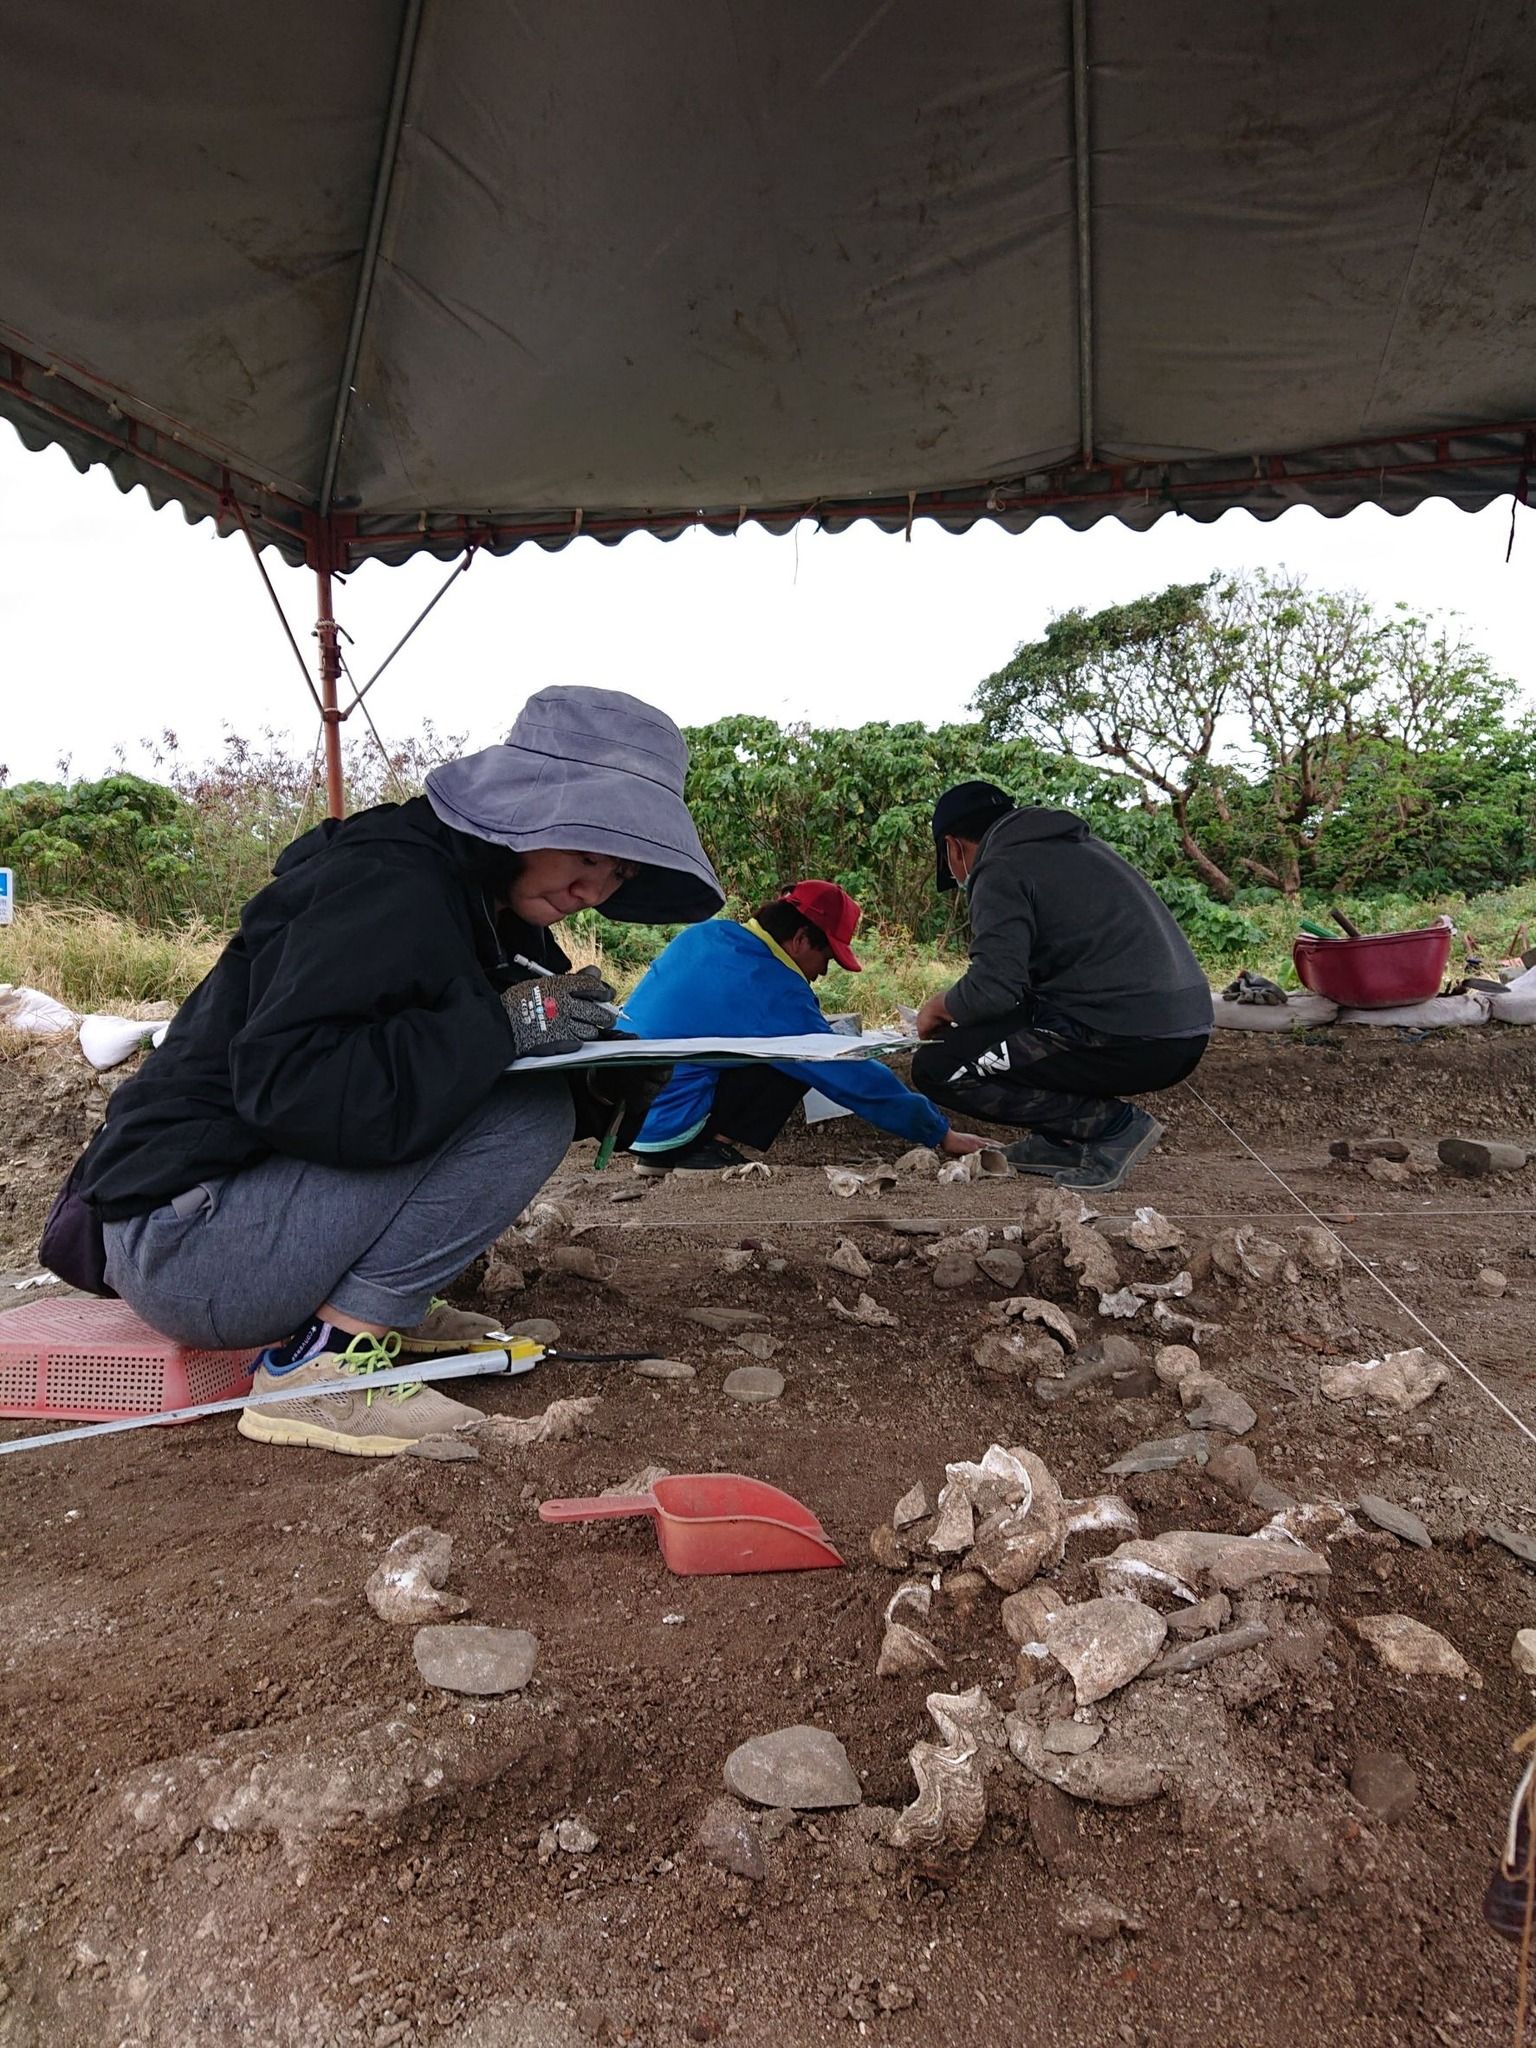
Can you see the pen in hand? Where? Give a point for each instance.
(536, 967)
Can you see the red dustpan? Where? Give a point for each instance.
(715, 1522)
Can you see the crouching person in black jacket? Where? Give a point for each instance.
(328, 1134)
(1081, 990)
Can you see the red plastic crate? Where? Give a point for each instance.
(94, 1360)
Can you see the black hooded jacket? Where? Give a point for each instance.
(1057, 917)
(354, 1019)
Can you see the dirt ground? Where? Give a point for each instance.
(234, 1813)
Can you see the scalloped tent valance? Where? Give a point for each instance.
(410, 274)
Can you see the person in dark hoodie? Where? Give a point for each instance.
(1081, 990)
(328, 1134)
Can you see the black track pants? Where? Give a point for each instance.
(1013, 1070)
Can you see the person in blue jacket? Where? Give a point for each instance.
(754, 979)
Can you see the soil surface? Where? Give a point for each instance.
(233, 1812)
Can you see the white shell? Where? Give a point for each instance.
(1099, 1511)
(969, 1720)
(950, 1809)
(1000, 1478)
(914, 1593)
(1152, 1232)
(1029, 1308)
(868, 1312)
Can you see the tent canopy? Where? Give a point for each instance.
(411, 274)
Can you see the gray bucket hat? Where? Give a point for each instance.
(594, 771)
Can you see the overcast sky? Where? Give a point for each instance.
(117, 622)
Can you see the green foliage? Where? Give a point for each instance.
(1297, 737)
(775, 804)
(1215, 930)
(121, 844)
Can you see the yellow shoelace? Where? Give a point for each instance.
(377, 1354)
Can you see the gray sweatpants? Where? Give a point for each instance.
(248, 1259)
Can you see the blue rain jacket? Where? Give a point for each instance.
(720, 979)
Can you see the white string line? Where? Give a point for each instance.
(1369, 1272)
(878, 1220)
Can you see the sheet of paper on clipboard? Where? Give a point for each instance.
(714, 1052)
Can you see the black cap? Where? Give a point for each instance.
(973, 804)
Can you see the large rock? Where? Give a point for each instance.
(1106, 1775)
(1388, 1515)
(1211, 1404)
(330, 1772)
(1413, 1648)
(1400, 1380)
(1188, 1562)
(1018, 1354)
(804, 1768)
(1479, 1157)
(1090, 1256)
(463, 1657)
(665, 1369)
(1104, 1644)
(1027, 1615)
(1004, 1265)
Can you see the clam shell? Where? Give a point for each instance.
(968, 1720)
(915, 1593)
(950, 1809)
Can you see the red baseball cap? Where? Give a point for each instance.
(835, 915)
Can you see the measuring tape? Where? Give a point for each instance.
(516, 1357)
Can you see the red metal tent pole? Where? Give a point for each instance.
(330, 715)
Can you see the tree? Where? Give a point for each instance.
(1145, 684)
(1278, 722)
(775, 803)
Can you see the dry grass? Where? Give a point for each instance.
(94, 961)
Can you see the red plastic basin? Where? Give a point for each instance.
(1376, 973)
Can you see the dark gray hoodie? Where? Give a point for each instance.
(1058, 916)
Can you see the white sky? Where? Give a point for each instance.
(116, 622)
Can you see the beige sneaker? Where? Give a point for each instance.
(375, 1422)
(445, 1329)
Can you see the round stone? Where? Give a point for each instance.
(806, 1769)
(664, 1369)
(754, 1383)
(465, 1657)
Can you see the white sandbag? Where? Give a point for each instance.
(1517, 1003)
(819, 1108)
(29, 1011)
(1432, 1014)
(108, 1041)
(1297, 1009)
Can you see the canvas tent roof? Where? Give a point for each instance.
(411, 273)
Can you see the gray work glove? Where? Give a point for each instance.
(559, 1012)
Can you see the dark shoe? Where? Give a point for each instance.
(707, 1155)
(1039, 1154)
(1107, 1161)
